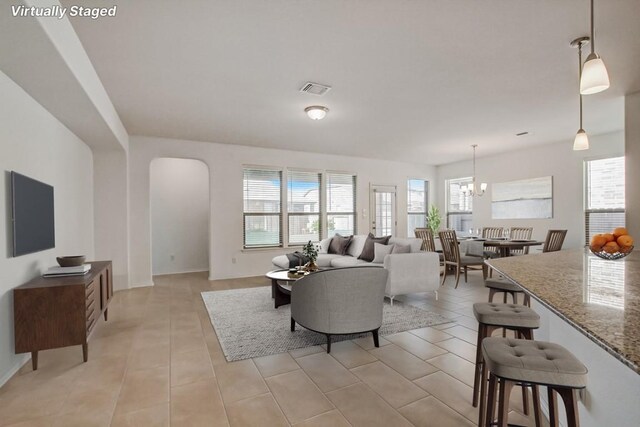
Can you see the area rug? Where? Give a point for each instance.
(248, 326)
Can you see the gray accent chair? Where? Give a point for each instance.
(340, 301)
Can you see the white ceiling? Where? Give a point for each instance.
(413, 80)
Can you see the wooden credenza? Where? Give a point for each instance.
(61, 311)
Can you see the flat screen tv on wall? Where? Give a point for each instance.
(32, 215)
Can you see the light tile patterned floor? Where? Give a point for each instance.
(157, 362)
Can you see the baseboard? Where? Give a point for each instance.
(142, 285)
(199, 270)
(15, 368)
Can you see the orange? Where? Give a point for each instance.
(609, 237)
(595, 248)
(626, 249)
(598, 240)
(625, 241)
(611, 248)
(620, 231)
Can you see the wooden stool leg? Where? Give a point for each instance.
(492, 292)
(570, 405)
(503, 406)
(553, 407)
(483, 394)
(536, 405)
(491, 400)
(482, 333)
(525, 399)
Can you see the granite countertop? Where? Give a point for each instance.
(598, 297)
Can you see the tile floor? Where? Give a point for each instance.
(157, 362)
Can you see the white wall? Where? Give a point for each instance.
(111, 207)
(557, 160)
(36, 144)
(632, 166)
(179, 215)
(225, 166)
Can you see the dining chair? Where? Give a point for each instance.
(428, 243)
(491, 232)
(520, 233)
(554, 240)
(453, 259)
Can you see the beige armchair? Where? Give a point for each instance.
(340, 301)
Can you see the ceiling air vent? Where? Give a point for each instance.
(315, 88)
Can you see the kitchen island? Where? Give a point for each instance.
(592, 307)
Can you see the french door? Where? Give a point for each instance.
(383, 210)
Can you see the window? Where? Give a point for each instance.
(303, 190)
(311, 213)
(417, 202)
(262, 217)
(341, 204)
(459, 205)
(604, 198)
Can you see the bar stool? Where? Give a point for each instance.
(508, 288)
(491, 316)
(537, 363)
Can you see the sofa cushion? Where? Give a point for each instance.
(415, 244)
(324, 260)
(381, 251)
(401, 249)
(349, 261)
(339, 244)
(368, 252)
(356, 246)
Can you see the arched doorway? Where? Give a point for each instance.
(180, 215)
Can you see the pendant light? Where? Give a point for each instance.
(471, 189)
(581, 141)
(594, 73)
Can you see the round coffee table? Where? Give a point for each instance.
(281, 282)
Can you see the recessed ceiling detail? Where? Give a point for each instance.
(315, 88)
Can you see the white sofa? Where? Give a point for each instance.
(408, 273)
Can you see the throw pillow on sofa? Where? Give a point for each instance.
(339, 244)
(381, 251)
(401, 249)
(368, 253)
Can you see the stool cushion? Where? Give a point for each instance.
(502, 285)
(507, 315)
(533, 362)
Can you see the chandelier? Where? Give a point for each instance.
(472, 189)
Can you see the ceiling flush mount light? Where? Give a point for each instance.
(471, 189)
(316, 112)
(594, 77)
(581, 141)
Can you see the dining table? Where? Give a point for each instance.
(471, 246)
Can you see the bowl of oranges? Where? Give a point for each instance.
(615, 245)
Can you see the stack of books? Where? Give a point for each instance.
(79, 270)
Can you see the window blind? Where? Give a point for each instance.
(417, 202)
(262, 199)
(341, 204)
(604, 201)
(303, 208)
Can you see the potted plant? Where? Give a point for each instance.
(310, 251)
(433, 219)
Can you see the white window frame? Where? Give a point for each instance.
(587, 209)
(284, 204)
(283, 197)
(427, 190)
(325, 208)
(450, 213)
(320, 201)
